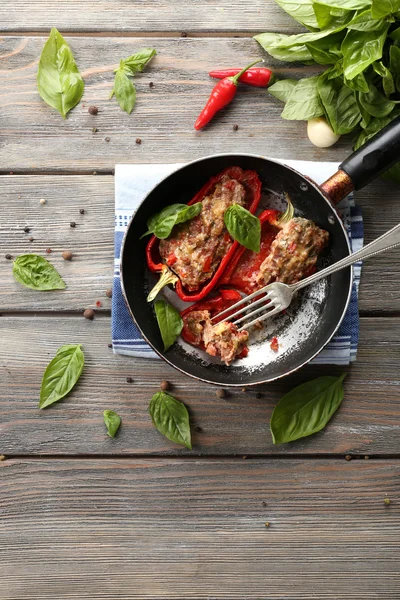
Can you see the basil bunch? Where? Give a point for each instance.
(358, 41)
(124, 89)
(59, 81)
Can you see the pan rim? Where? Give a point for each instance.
(122, 277)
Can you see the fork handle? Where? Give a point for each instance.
(388, 240)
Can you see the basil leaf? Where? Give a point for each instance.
(112, 421)
(306, 409)
(137, 62)
(362, 48)
(347, 4)
(301, 10)
(296, 53)
(59, 82)
(169, 322)
(364, 21)
(331, 17)
(394, 63)
(282, 89)
(340, 104)
(171, 418)
(125, 91)
(328, 50)
(387, 78)
(36, 273)
(162, 224)
(375, 103)
(303, 103)
(358, 83)
(382, 8)
(61, 374)
(244, 227)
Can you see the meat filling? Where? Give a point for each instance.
(195, 248)
(222, 339)
(294, 252)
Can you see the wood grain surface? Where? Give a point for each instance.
(367, 422)
(36, 138)
(90, 272)
(196, 530)
(121, 16)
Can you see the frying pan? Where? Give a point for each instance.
(315, 315)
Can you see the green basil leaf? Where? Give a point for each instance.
(162, 224)
(306, 409)
(359, 83)
(375, 103)
(61, 374)
(36, 273)
(346, 4)
(323, 56)
(282, 89)
(112, 421)
(296, 53)
(169, 322)
(340, 104)
(387, 78)
(137, 62)
(362, 48)
(125, 91)
(301, 10)
(382, 8)
(171, 418)
(364, 21)
(394, 63)
(59, 82)
(395, 36)
(244, 227)
(303, 103)
(330, 17)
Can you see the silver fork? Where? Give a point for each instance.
(277, 296)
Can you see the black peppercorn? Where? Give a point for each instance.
(82, 211)
(27, 229)
(151, 84)
(107, 139)
(235, 127)
(8, 257)
(129, 380)
(183, 34)
(72, 224)
(138, 141)
(93, 110)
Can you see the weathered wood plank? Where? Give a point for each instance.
(119, 16)
(196, 529)
(367, 422)
(35, 137)
(91, 270)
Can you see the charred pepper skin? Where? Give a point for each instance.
(222, 94)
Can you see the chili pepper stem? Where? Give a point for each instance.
(167, 277)
(236, 78)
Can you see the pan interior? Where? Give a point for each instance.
(308, 323)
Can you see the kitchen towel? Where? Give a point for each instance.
(133, 182)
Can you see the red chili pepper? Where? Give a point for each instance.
(246, 264)
(222, 94)
(252, 184)
(258, 77)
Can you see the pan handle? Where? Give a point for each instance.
(366, 164)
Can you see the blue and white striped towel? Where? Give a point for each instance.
(133, 182)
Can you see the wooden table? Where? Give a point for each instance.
(85, 516)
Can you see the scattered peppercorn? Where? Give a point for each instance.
(151, 84)
(109, 345)
(99, 304)
(220, 393)
(348, 457)
(244, 457)
(67, 255)
(94, 172)
(82, 211)
(129, 380)
(89, 314)
(30, 239)
(183, 34)
(94, 130)
(27, 229)
(72, 224)
(138, 141)
(93, 110)
(2, 457)
(165, 385)
(107, 139)
(235, 127)
(48, 250)
(387, 501)
(264, 503)
(109, 293)
(244, 389)
(198, 429)
(42, 201)
(366, 457)
(8, 257)
(258, 395)
(266, 523)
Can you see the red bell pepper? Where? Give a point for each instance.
(242, 271)
(252, 184)
(223, 300)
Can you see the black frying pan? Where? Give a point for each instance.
(315, 315)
